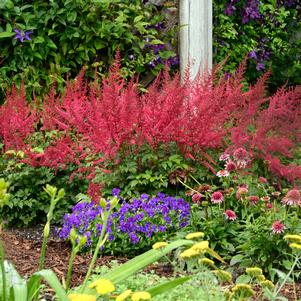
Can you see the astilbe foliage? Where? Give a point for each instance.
(99, 122)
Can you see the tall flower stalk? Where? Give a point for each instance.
(55, 196)
(107, 209)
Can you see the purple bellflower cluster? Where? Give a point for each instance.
(140, 220)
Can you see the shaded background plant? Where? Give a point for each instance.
(49, 42)
(268, 32)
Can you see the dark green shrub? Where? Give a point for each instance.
(29, 202)
(268, 32)
(45, 42)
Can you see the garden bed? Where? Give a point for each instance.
(22, 247)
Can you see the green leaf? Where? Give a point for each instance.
(53, 281)
(6, 34)
(138, 18)
(141, 261)
(20, 292)
(236, 259)
(33, 286)
(243, 279)
(51, 44)
(99, 44)
(155, 42)
(14, 282)
(167, 286)
(9, 28)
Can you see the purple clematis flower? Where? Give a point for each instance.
(260, 66)
(22, 36)
(253, 54)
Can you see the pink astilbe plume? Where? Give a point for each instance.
(17, 120)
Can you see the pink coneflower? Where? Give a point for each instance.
(217, 197)
(253, 199)
(223, 173)
(262, 180)
(229, 214)
(241, 157)
(224, 157)
(269, 205)
(241, 191)
(293, 197)
(265, 198)
(196, 197)
(230, 166)
(278, 227)
(276, 193)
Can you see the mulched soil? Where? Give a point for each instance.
(22, 248)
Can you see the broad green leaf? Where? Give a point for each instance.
(167, 286)
(236, 259)
(33, 286)
(14, 282)
(20, 291)
(141, 261)
(53, 281)
(6, 34)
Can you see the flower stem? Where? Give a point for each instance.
(187, 186)
(195, 180)
(287, 276)
(70, 266)
(100, 243)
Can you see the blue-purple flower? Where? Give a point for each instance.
(22, 35)
(140, 220)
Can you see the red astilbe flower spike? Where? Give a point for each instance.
(17, 119)
(96, 124)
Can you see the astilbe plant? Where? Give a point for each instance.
(100, 123)
(17, 119)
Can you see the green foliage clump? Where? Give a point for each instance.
(55, 39)
(28, 202)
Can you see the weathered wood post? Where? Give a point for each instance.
(195, 35)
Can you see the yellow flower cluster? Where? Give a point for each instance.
(293, 238)
(159, 245)
(267, 283)
(206, 261)
(137, 296)
(295, 246)
(123, 296)
(103, 286)
(244, 290)
(254, 272)
(189, 253)
(81, 297)
(223, 276)
(196, 249)
(295, 241)
(194, 235)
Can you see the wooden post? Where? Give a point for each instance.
(195, 36)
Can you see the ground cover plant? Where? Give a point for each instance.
(135, 227)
